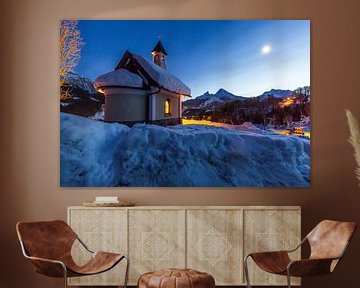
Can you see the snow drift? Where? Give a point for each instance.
(97, 154)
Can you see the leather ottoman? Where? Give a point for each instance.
(176, 278)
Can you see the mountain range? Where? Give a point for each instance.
(209, 102)
(78, 81)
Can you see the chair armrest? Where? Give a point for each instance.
(280, 251)
(267, 254)
(46, 260)
(270, 252)
(49, 267)
(309, 267)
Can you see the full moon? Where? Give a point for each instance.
(266, 49)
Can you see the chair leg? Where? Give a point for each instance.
(246, 270)
(288, 278)
(126, 271)
(65, 276)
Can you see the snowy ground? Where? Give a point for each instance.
(98, 154)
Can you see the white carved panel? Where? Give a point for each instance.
(100, 230)
(271, 230)
(156, 241)
(214, 241)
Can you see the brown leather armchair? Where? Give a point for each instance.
(48, 245)
(328, 242)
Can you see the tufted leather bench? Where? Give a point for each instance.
(176, 278)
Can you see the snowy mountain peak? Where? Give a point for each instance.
(303, 90)
(84, 99)
(209, 101)
(222, 90)
(206, 95)
(221, 94)
(75, 80)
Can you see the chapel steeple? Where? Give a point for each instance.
(159, 54)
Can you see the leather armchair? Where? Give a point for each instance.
(48, 245)
(328, 242)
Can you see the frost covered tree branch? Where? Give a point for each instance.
(70, 48)
(354, 140)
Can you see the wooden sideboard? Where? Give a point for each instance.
(212, 239)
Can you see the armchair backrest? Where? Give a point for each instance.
(329, 239)
(46, 239)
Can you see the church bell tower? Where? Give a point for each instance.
(159, 55)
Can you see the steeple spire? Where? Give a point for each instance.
(159, 54)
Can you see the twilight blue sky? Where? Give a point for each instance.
(206, 55)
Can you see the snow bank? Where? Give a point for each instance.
(99, 115)
(87, 150)
(249, 127)
(96, 154)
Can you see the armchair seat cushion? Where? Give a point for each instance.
(272, 262)
(99, 262)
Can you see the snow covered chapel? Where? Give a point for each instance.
(141, 91)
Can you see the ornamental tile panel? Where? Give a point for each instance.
(214, 244)
(270, 230)
(156, 241)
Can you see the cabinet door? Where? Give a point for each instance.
(100, 230)
(271, 230)
(156, 240)
(214, 244)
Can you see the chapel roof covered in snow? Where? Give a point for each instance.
(120, 77)
(152, 74)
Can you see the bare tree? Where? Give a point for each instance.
(70, 48)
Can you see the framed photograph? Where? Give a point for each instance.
(185, 103)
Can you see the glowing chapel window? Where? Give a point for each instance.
(167, 107)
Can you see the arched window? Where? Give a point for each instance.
(167, 107)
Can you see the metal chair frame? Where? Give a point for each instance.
(288, 276)
(26, 255)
